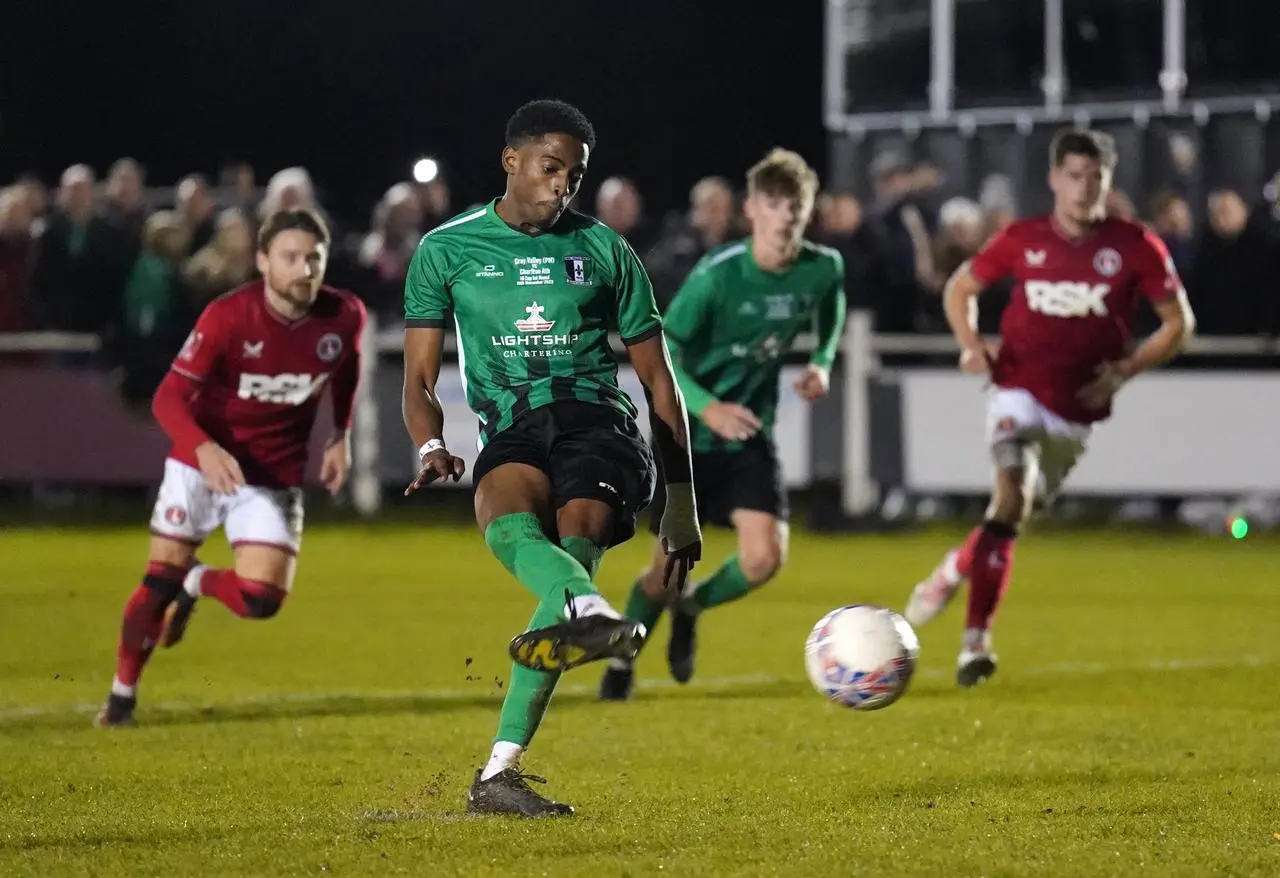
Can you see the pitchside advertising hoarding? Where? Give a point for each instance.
(1174, 432)
(1180, 433)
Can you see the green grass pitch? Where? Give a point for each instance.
(1132, 728)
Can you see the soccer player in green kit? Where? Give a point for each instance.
(534, 290)
(729, 324)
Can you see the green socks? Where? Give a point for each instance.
(586, 553)
(643, 608)
(529, 692)
(541, 566)
(725, 585)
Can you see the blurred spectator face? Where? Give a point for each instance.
(434, 198)
(124, 185)
(1120, 205)
(164, 235)
(1173, 219)
(403, 215)
(194, 202)
(234, 236)
(75, 195)
(239, 179)
(843, 216)
(292, 197)
(15, 214)
(1228, 213)
(35, 193)
(1080, 188)
(618, 204)
(963, 224)
(711, 209)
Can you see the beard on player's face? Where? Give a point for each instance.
(299, 291)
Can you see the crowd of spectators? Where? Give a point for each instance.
(134, 264)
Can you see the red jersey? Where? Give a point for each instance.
(251, 380)
(1073, 304)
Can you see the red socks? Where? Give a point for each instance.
(247, 598)
(143, 618)
(986, 558)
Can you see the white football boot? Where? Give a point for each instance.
(930, 597)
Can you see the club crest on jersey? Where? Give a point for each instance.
(1106, 262)
(175, 515)
(577, 270)
(534, 322)
(329, 348)
(779, 306)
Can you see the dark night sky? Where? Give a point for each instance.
(356, 90)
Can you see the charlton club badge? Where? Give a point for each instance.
(329, 347)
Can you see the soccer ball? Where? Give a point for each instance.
(861, 656)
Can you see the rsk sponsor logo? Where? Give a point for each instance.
(1067, 298)
(287, 389)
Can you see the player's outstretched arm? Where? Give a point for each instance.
(960, 304)
(681, 536)
(423, 414)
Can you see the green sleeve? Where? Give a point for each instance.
(829, 318)
(696, 397)
(637, 317)
(427, 304)
(687, 317)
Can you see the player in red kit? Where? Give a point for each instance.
(1065, 351)
(239, 404)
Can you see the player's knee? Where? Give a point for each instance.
(761, 561)
(1012, 500)
(651, 583)
(262, 601)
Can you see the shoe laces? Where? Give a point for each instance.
(519, 777)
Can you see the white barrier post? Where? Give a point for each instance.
(858, 489)
(366, 481)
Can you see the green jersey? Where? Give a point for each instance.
(532, 313)
(731, 321)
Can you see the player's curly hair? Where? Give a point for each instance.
(1089, 143)
(783, 173)
(537, 119)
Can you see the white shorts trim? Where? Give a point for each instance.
(188, 511)
(1013, 414)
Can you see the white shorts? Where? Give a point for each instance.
(187, 510)
(1014, 414)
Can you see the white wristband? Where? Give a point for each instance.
(429, 446)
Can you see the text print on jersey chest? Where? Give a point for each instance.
(1083, 295)
(285, 389)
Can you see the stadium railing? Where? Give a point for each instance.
(860, 366)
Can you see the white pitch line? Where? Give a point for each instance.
(737, 682)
